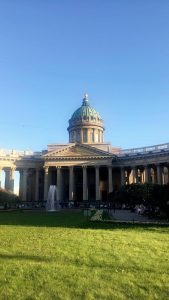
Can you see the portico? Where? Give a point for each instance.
(83, 177)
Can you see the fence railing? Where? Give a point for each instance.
(144, 150)
(18, 153)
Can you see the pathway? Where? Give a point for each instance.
(128, 216)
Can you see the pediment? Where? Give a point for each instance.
(77, 150)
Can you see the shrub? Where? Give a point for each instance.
(8, 199)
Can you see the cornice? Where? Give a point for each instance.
(142, 156)
(76, 158)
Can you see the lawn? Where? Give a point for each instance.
(65, 256)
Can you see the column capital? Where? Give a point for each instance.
(46, 169)
(58, 167)
(84, 166)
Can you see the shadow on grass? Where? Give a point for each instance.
(68, 219)
(24, 257)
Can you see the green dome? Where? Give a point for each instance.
(86, 112)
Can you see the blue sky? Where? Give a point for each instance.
(52, 52)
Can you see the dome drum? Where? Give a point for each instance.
(86, 125)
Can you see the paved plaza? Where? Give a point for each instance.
(128, 216)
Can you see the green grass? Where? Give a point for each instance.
(65, 256)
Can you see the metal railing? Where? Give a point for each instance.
(145, 150)
(18, 153)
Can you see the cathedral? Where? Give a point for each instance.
(86, 168)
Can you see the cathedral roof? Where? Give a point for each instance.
(86, 112)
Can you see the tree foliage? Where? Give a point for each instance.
(152, 196)
(7, 197)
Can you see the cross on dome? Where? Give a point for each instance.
(85, 99)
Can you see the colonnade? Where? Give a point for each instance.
(72, 183)
(156, 174)
(34, 182)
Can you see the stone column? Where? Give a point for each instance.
(135, 175)
(21, 184)
(0, 177)
(59, 184)
(162, 175)
(7, 179)
(88, 135)
(97, 180)
(46, 180)
(159, 175)
(71, 184)
(94, 138)
(167, 174)
(102, 135)
(12, 174)
(84, 183)
(146, 174)
(122, 176)
(153, 174)
(81, 135)
(129, 176)
(37, 185)
(24, 193)
(110, 180)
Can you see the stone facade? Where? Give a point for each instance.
(85, 169)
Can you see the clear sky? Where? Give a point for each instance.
(52, 52)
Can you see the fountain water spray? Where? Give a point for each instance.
(52, 204)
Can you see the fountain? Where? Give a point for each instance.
(52, 204)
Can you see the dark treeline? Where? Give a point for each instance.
(7, 197)
(154, 197)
